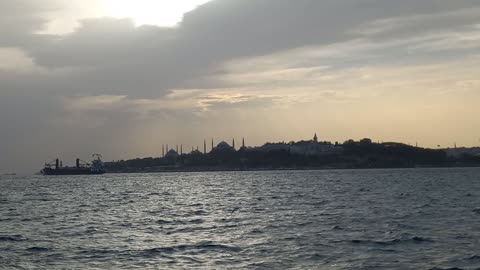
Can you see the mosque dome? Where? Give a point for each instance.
(171, 153)
(223, 145)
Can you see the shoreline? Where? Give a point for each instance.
(282, 169)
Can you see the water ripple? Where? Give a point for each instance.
(335, 220)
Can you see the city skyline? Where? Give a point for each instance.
(122, 78)
(207, 148)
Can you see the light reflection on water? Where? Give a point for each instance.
(371, 219)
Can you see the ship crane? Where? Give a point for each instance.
(82, 163)
(52, 163)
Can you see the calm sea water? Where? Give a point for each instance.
(371, 219)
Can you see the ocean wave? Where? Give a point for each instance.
(230, 220)
(164, 221)
(197, 213)
(473, 258)
(257, 230)
(201, 247)
(180, 222)
(154, 194)
(196, 205)
(154, 212)
(92, 254)
(450, 268)
(415, 239)
(38, 249)
(192, 229)
(12, 238)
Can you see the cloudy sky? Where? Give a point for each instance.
(122, 77)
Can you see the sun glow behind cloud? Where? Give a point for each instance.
(153, 12)
(66, 16)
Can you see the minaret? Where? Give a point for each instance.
(204, 146)
(167, 149)
(181, 149)
(243, 142)
(233, 143)
(212, 144)
(163, 150)
(177, 149)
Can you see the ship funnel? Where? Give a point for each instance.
(78, 163)
(57, 163)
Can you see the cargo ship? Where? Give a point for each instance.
(81, 168)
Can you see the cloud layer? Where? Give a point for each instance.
(270, 70)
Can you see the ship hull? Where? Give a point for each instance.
(75, 171)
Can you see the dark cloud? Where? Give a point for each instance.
(118, 58)
(18, 21)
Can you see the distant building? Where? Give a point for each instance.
(307, 148)
(312, 148)
(269, 147)
(459, 152)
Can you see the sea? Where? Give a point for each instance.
(333, 219)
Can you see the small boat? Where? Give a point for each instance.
(81, 168)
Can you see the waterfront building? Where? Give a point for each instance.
(314, 147)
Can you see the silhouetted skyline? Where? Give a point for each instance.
(300, 155)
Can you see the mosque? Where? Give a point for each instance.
(309, 148)
(221, 147)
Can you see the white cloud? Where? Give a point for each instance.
(13, 59)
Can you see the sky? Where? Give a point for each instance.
(123, 77)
